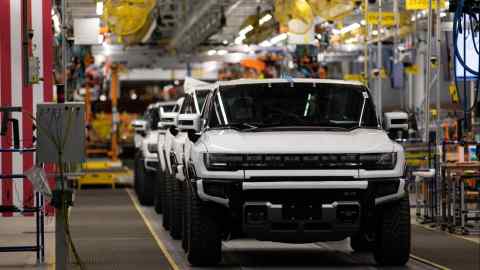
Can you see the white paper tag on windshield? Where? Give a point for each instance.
(365, 94)
(39, 180)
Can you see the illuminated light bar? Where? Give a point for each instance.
(233, 162)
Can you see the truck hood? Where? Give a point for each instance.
(355, 141)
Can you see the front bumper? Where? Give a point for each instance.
(301, 211)
(222, 191)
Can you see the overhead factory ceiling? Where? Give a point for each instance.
(182, 25)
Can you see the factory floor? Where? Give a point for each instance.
(112, 231)
(19, 231)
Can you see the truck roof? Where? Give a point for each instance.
(294, 80)
(200, 88)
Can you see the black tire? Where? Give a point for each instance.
(140, 178)
(166, 201)
(360, 243)
(392, 244)
(204, 240)
(176, 207)
(146, 186)
(185, 214)
(157, 199)
(136, 164)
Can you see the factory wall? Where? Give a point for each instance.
(15, 93)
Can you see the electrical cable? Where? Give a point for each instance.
(60, 146)
(473, 20)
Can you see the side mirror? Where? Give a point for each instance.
(173, 130)
(193, 136)
(140, 126)
(396, 124)
(188, 122)
(395, 120)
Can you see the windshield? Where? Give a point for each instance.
(152, 118)
(201, 97)
(168, 108)
(294, 105)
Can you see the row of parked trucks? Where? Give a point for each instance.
(296, 161)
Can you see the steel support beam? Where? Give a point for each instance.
(192, 22)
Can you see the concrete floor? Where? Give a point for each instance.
(250, 254)
(21, 231)
(112, 231)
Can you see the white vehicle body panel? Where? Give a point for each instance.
(164, 151)
(359, 141)
(181, 144)
(284, 142)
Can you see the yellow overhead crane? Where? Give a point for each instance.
(129, 20)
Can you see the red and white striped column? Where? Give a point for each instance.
(14, 93)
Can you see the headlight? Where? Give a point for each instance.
(384, 161)
(152, 148)
(222, 162)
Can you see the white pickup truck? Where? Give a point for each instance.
(194, 101)
(147, 131)
(296, 161)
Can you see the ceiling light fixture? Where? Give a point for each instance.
(265, 19)
(211, 52)
(245, 30)
(239, 40)
(99, 8)
(278, 38)
(265, 43)
(349, 28)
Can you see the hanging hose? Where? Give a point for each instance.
(473, 20)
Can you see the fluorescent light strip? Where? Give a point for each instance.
(278, 38)
(265, 19)
(265, 43)
(239, 40)
(222, 52)
(245, 30)
(211, 52)
(99, 8)
(349, 28)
